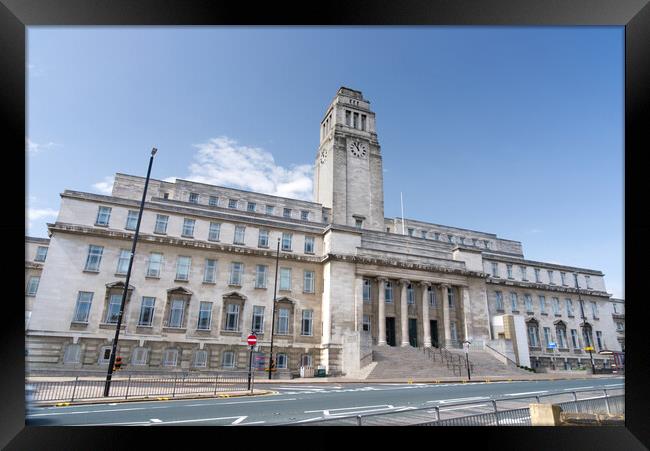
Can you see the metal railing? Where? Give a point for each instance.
(139, 386)
(504, 411)
(454, 362)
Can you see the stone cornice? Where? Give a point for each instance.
(545, 287)
(177, 242)
(204, 212)
(33, 265)
(399, 264)
(521, 261)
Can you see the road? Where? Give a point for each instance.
(296, 403)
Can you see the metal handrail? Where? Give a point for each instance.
(500, 353)
(486, 400)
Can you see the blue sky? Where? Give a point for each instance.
(508, 130)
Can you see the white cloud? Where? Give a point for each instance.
(222, 161)
(33, 214)
(106, 186)
(34, 147)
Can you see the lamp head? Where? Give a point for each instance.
(153, 151)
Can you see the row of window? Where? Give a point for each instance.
(523, 270)
(355, 120)
(214, 231)
(560, 333)
(177, 312)
(453, 326)
(170, 357)
(184, 263)
(410, 293)
(555, 305)
(452, 239)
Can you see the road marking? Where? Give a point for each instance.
(198, 420)
(96, 411)
(239, 420)
(526, 393)
(252, 422)
(300, 388)
(239, 402)
(614, 385)
(350, 411)
(310, 419)
(473, 398)
(155, 420)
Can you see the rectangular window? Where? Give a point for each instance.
(348, 118)
(575, 280)
(563, 278)
(258, 319)
(263, 238)
(532, 336)
(82, 309)
(509, 268)
(205, 316)
(210, 272)
(431, 293)
(599, 340)
(513, 302)
(366, 323)
(363, 122)
(281, 361)
(251, 206)
(236, 271)
(72, 354)
(200, 358)
(214, 231)
(550, 277)
(366, 290)
(410, 295)
(103, 216)
(358, 223)
(286, 212)
(183, 268)
(556, 306)
(547, 336)
(450, 297)
(286, 241)
(308, 282)
(537, 275)
(454, 331)
(304, 215)
(309, 245)
(285, 279)
(41, 253)
(123, 261)
(411, 231)
(528, 300)
(306, 324)
(524, 274)
(499, 301)
(170, 357)
(176, 313)
(94, 258)
(113, 310)
(588, 280)
(232, 317)
(165, 195)
(574, 339)
(542, 304)
(388, 292)
(495, 269)
(232, 203)
(155, 263)
(355, 120)
(569, 307)
(269, 209)
(161, 224)
(32, 285)
(228, 359)
(283, 321)
(213, 201)
(594, 310)
(423, 233)
(131, 220)
(139, 356)
(146, 311)
(561, 337)
(260, 276)
(239, 234)
(194, 198)
(188, 227)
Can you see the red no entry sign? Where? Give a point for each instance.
(252, 340)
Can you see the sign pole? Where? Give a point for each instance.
(252, 341)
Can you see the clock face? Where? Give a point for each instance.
(358, 149)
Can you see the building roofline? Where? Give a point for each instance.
(34, 239)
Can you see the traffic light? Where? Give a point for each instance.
(118, 363)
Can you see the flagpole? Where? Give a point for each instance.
(402, 202)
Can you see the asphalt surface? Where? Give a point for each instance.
(298, 403)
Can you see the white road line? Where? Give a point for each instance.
(351, 411)
(198, 420)
(300, 388)
(96, 411)
(615, 385)
(446, 409)
(473, 398)
(240, 402)
(142, 423)
(239, 420)
(310, 419)
(526, 393)
(155, 420)
(252, 422)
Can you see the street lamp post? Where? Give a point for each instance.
(584, 329)
(275, 286)
(111, 362)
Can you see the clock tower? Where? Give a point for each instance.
(348, 175)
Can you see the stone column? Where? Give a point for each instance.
(445, 313)
(426, 326)
(381, 308)
(467, 313)
(404, 313)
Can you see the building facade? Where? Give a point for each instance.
(348, 277)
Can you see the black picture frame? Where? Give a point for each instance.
(634, 15)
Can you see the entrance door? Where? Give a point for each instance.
(390, 331)
(413, 332)
(433, 325)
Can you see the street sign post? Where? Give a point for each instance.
(466, 349)
(252, 341)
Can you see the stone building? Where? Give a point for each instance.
(349, 279)
(35, 255)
